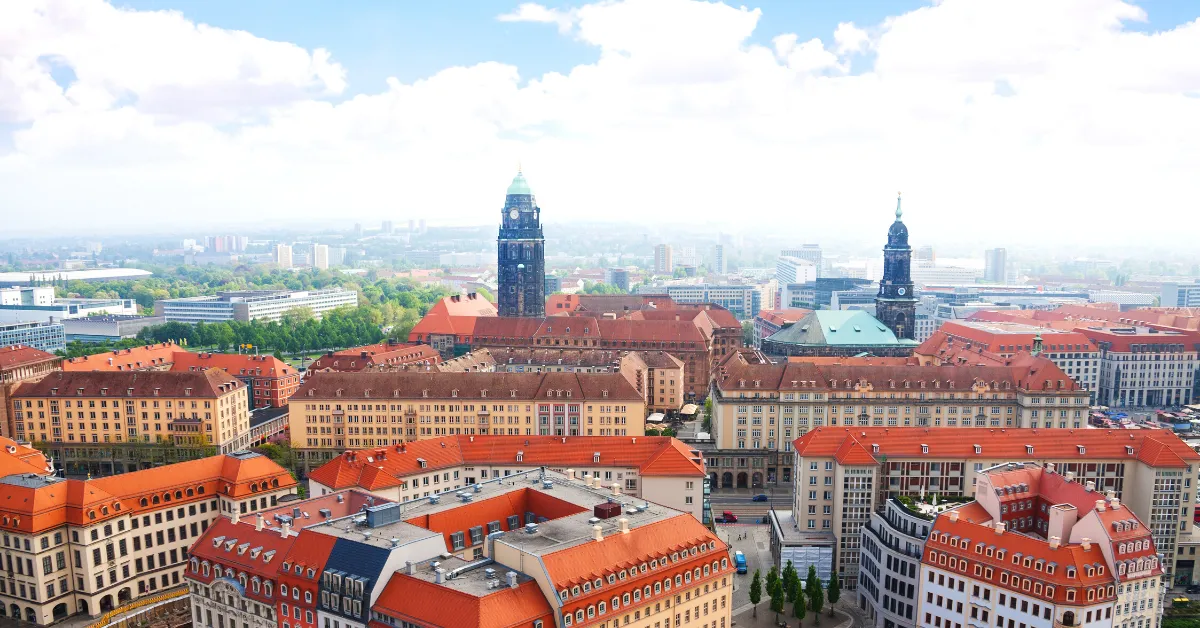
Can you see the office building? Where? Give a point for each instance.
(283, 256)
(249, 305)
(320, 256)
(19, 363)
(926, 273)
(553, 284)
(897, 303)
(1145, 366)
(521, 253)
(1180, 294)
(61, 309)
(99, 328)
(808, 252)
(836, 333)
(27, 295)
(397, 407)
(996, 343)
(720, 264)
(744, 301)
(793, 270)
(502, 552)
(663, 262)
(1040, 549)
(995, 266)
(819, 294)
(226, 243)
(618, 277)
(208, 408)
(759, 406)
(844, 474)
(87, 547)
(46, 336)
(926, 318)
(387, 227)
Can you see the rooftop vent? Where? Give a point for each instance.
(531, 528)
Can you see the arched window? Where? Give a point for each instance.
(155, 499)
(191, 492)
(308, 597)
(199, 490)
(616, 603)
(205, 569)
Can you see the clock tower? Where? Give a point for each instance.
(896, 305)
(520, 253)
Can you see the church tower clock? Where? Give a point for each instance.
(896, 305)
(520, 253)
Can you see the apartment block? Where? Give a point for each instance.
(536, 549)
(377, 356)
(1146, 366)
(760, 407)
(1039, 548)
(86, 547)
(337, 411)
(843, 475)
(253, 305)
(207, 408)
(657, 468)
(19, 363)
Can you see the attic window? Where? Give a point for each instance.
(1082, 449)
(1128, 450)
(978, 449)
(421, 463)
(874, 448)
(454, 393)
(520, 456)
(1029, 450)
(596, 457)
(924, 448)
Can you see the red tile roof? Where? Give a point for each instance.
(470, 304)
(233, 363)
(445, 325)
(264, 563)
(1156, 448)
(211, 383)
(20, 355)
(783, 317)
(132, 359)
(18, 459)
(429, 604)
(652, 455)
(360, 358)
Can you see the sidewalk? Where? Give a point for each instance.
(744, 617)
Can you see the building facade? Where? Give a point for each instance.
(251, 305)
(893, 543)
(837, 333)
(18, 364)
(744, 301)
(88, 547)
(336, 411)
(1145, 366)
(790, 270)
(1180, 295)
(845, 474)
(521, 253)
(760, 407)
(995, 265)
(664, 263)
(99, 328)
(207, 409)
(896, 304)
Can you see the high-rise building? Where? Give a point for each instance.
(387, 227)
(720, 262)
(521, 253)
(995, 263)
(358, 230)
(283, 255)
(663, 264)
(320, 258)
(791, 270)
(618, 277)
(896, 305)
(810, 252)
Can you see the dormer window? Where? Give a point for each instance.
(924, 448)
(1082, 449)
(978, 449)
(1029, 450)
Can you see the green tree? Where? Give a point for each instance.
(756, 591)
(834, 590)
(790, 579)
(666, 431)
(816, 597)
(798, 601)
(777, 599)
(650, 431)
(772, 577)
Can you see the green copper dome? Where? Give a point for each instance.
(519, 185)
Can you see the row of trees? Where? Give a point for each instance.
(804, 596)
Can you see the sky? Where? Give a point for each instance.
(1052, 123)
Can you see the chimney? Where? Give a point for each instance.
(236, 516)
(1086, 543)
(1110, 494)
(1116, 503)
(571, 474)
(1089, 486)
(258, 522)
(1000, 527)
(410, 568)
(439, 575)
(285, 528)
(616, 488)
(953, 516)
(623, 525)
(1055, 542)
(1070, 477)
(597, 533)
(511, 577)
(1100, 504)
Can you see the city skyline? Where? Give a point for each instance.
(309, 127)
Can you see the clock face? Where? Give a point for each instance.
(900, 291)
(513, 214)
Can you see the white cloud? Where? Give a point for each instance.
(1006, 122)
(534, 12)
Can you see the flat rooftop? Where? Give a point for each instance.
(790, 533)
(472, 581)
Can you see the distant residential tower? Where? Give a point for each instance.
(521, 254)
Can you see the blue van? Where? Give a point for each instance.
(739, 561)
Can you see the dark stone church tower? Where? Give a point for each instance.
(896, 305)
(521, 254)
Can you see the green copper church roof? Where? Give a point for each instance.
(837, 327)
(519, 185)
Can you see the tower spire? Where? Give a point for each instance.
(898, 212)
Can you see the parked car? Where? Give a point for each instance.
(739, 561)
(761, 497)
(1195, 588)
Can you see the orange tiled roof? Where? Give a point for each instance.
(132, 359)
(470, 304)
(16, 459)
(426, 603)
(497, 508)
(360, 358)
(442, 324)
(20, 355)
(1157, 448)
(233, 363)
(211, 383)
(384, 467)
(264, 563)
(785, 316)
